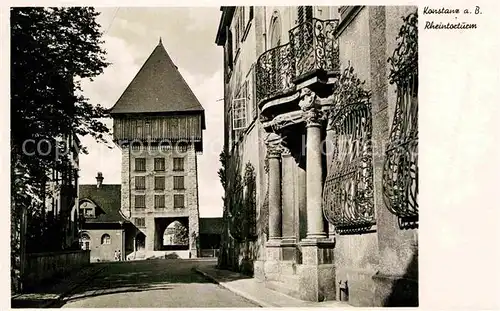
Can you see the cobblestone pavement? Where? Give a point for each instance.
(152, 283)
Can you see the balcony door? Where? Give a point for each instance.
(275, 41)
(303, 40)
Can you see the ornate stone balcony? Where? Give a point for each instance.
(312, 53)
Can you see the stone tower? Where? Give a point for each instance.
(158, 124)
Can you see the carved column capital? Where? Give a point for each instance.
(312, 117)
(274, 144)
(311, 108)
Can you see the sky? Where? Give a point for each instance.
(188, 35)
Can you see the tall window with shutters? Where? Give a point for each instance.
(140, 201)
(140, 182)
(159, 201)
(178, 201)
(140, 164)
(178, 182)
(159, 164)
(178, 164)
(140, 222)
(159, 182)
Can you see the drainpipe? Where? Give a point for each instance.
(129, 181)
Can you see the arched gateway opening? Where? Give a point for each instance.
(172, 234)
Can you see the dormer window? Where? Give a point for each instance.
(87, 209)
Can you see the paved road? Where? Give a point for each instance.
(152, 284)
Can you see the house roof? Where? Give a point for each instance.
(211, 225)
(108, 200)
(158, 87)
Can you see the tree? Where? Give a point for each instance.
(52, 50)
(181, 236)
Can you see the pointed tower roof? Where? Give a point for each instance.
(158, 87)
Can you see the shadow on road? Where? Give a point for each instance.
(130, 277)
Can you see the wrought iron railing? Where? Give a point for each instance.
(315, 46)
(312, 47)
(348, 189)
(275, 72)
(400, 175)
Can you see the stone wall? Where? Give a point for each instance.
(43, 266)
(376, 265)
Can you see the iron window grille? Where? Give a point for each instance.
(348, 189)
(400, 175)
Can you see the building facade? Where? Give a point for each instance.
(104, 231)
(321, 103)
(158, 124)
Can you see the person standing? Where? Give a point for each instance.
(119, 256)
(116, 255)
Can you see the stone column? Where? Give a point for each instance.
(316, 274)
(274, 155)
(289, 240)
(315, 224)
(271, 265)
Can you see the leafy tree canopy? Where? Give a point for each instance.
(52, 49)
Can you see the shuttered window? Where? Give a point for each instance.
(140, 182)
(159, 201)
(140, 222)
(178, 182)
(159, 164)
(140, 164)
(140, 201)
(159, 182)
(178, 164)
(178, 200)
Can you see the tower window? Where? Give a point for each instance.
(140, 222)
(140, 182)
(178, 200)
(178, 182)
(140, 164)
(159, 164)
(178, 164)
(159, 201)
(159, 182)
(140, 201)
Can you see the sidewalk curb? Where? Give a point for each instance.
(72, 288)
(247, 296)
